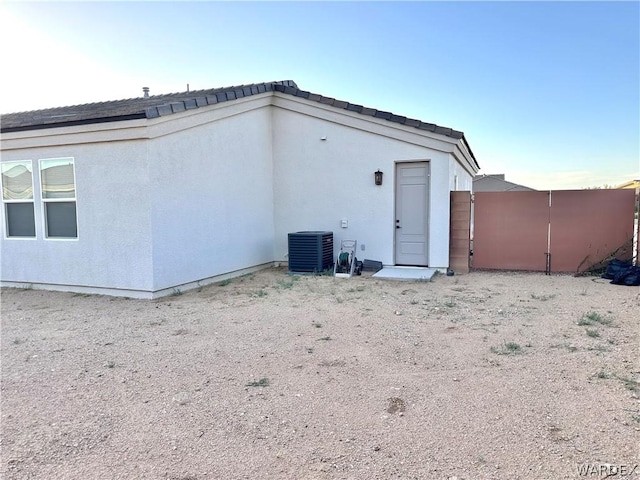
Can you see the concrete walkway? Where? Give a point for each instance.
(405, 273)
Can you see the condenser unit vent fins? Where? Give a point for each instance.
(310, 251)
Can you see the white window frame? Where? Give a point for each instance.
(44, 200)
(31, 200)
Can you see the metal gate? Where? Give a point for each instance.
(553, 231)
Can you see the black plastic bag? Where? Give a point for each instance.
(615, 268)
(630, 276)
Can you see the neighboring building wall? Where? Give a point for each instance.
(497, 183)
(212, 188)
(113, 248)
(320, 182)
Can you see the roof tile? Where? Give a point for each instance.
(381, 114)
(427, 126)
(190, 104)
(152, 112)
(164, 110)
(442, 130)
(177, 107)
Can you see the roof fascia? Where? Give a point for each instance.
(142, 129)
(72, 123)
(463, 157)
(75, 135)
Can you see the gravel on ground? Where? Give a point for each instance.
(273, 376)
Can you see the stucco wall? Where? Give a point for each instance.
(212, 190)
(208, 192)
(320, 182)
(113, 248)
(464, 178)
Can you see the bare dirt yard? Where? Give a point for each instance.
(272, 376)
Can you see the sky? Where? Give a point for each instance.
(547, 93)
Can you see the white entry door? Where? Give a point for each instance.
(412, 197)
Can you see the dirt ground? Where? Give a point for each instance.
(272, 376)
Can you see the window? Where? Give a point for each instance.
(57, 178)
(17, 197)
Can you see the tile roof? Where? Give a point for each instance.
(128, 109)
(168, 104)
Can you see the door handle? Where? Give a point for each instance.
(398, 226)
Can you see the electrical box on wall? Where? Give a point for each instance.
(344, 223)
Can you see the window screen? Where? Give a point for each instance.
(20, 220)
(61, 219)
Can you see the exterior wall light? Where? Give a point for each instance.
(377, 176)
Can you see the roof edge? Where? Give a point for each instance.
(201, 98)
